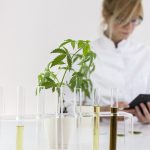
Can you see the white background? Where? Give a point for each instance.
(30, 29)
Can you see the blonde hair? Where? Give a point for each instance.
(122, 10)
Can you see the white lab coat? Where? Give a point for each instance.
(126, 67)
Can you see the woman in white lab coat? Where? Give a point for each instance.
(121, 62)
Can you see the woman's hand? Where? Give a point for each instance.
(145, 116)
(121, 106)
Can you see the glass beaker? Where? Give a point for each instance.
(61, 127)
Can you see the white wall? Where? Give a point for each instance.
(29, 29)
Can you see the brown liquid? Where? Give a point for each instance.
(113, 129)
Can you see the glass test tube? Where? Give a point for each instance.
(80, 102)
(40, 102)
(40, 114)
(78, 109)
(113, 119)
(76, 98)
(20, 117)
(96, 126)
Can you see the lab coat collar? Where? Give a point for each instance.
(109, 44)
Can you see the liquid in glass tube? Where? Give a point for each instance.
(20, 117)
(19, 137)
(96, 128)
(113, 128)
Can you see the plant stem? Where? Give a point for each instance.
(75, 53)
(63, 77)
(67, 67)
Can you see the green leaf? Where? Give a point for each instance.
(59, 50)
(90, 84)
(68, 41)
(92, 68)
(64, 43)
(69, 61)
(79, 74)
(85, 89)
(40, 76)
(80, 44)
(72, 82)
(57, 63)
(53, 89)
(58, 60)
(47, 85)
(87, 41)
(53, 75)
(73, 44)
(86, 59)
(79, 82)
(86, 49)
(47, 74)
(47, 82)
(76, 57)
(85, 82)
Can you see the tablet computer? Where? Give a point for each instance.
(141, 98)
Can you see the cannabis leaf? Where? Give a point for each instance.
(78, 60)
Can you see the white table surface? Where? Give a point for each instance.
(81, 138)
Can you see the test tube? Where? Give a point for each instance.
(113, 119)
(60, 100)
(40, 114)
(78, 99)
(96, 126)
(76, 95)
(20, 118)
(40, 102)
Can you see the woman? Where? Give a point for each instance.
(122, 63)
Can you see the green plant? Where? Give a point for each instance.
(75, 58)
